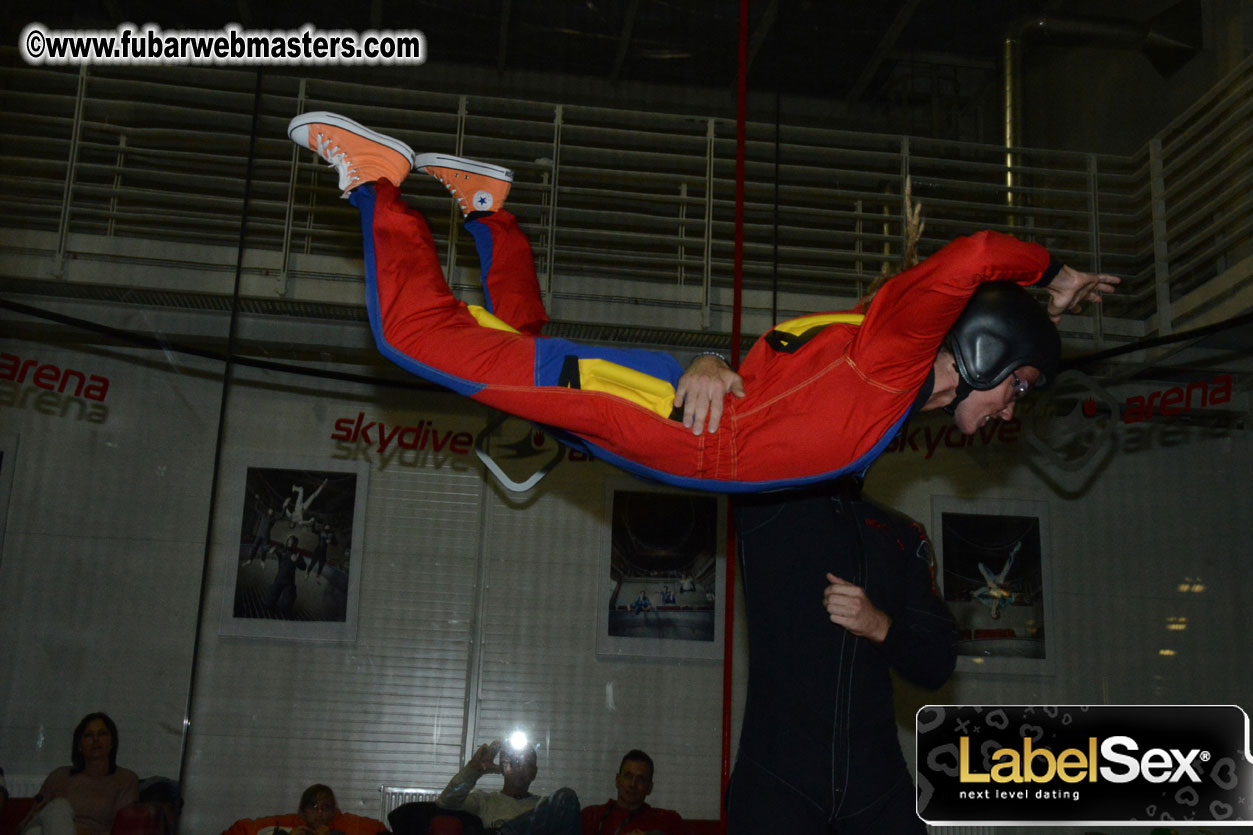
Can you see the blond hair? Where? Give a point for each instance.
(914, 225)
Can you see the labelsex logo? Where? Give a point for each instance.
(1040, 765)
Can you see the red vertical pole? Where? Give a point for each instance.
(741, 117)
(741, 114)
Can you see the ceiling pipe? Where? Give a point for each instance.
(1012, 94)
(1168, 40)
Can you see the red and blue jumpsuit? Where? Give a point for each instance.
(818, 406)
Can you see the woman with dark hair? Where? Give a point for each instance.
(317, 809)
(84, 798)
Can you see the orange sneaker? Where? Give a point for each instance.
(359, 154)
(476, 186)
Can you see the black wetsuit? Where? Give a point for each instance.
(319, 551)
(261, 534)
(281, 596)
(818, 748)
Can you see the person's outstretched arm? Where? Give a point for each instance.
(1070, 290)
(913, 312)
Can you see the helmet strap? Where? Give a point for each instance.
(963, 391)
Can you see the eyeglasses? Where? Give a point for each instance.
(1020, 388)
(321, 807)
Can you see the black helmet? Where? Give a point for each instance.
(1002, 329)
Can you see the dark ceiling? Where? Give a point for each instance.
(818, 48)
(826, 49)
(919, 67)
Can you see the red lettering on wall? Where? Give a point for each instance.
(1174, 401)
(51, 377)
(382, 437)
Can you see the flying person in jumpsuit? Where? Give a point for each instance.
(817, 398)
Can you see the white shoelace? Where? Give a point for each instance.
(339, 161)
(453, 191)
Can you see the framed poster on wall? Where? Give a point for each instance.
(295, 558)
(662, 573)
(993, 568)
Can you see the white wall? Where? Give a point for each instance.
(1168, 508)
(273, 716)
(458, 580)
(103, 548)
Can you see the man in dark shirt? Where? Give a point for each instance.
(281, 596)
(838, 592)
(629, 813)
(261, 531)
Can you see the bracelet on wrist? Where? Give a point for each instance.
(722, 357)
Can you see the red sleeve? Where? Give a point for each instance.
(589, 818)
(913, 312)
(676, 825)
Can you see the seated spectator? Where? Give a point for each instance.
(629, 814)
(424, 817)
(317, 809)
(12, 811)
(513, 810)
(85, 797)
(642, 603)
(319, 815)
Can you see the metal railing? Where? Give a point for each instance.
(623, 207)
(1201, 182)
